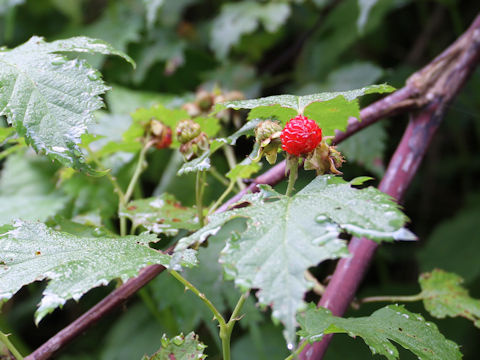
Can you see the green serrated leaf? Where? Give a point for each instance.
(244, 170)
(391, 323)
(161, 215)
(333, 114)
(73, 264)
(299, 103)
(237, 19)
(287, 235)
(49, 99)
(444, 296)
(179, 347)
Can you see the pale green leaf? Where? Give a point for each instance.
(161, 215)
(391, 323)
(179, 347)
(244, 170)
(49, 99)
(443, 295)
(237, 19)
(247, 129)
(287, 235)
(74, 264)
(299, 103)
(274, 112)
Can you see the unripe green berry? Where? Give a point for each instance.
(266, 129)
(187, 130)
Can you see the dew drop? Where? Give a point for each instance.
(290, 346)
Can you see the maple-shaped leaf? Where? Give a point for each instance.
(180, 347)
(444, 296)
(391, 323)
(74, 264)
(162, 215)
(331, 110)
(50, 99)
(287, 235)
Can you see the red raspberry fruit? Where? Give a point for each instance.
(300, 136)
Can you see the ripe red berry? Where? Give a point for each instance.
(300, 136)
(164, 140)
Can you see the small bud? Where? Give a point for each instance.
(204, 100)
(192, 109)
(195, 147)
(187, 130)
(266, 129)
(267, 135)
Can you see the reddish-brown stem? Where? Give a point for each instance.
(416, 94)
(441, 80)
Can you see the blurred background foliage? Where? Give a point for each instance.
(260, 48)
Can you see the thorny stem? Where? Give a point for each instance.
(4, 339)
(401, 101)
(433, 89)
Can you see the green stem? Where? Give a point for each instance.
(232, 162)
(226, 328)
(292, 164)
(297, 352)
(202, 297)
(410, 298)
(222, 197)
(226, 332)
(4, 339)
(138, 170)
(199, 187)
(124, 199)
(218, 176)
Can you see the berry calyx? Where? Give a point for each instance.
(300, 136)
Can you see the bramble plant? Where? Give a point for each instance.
(234, 259)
